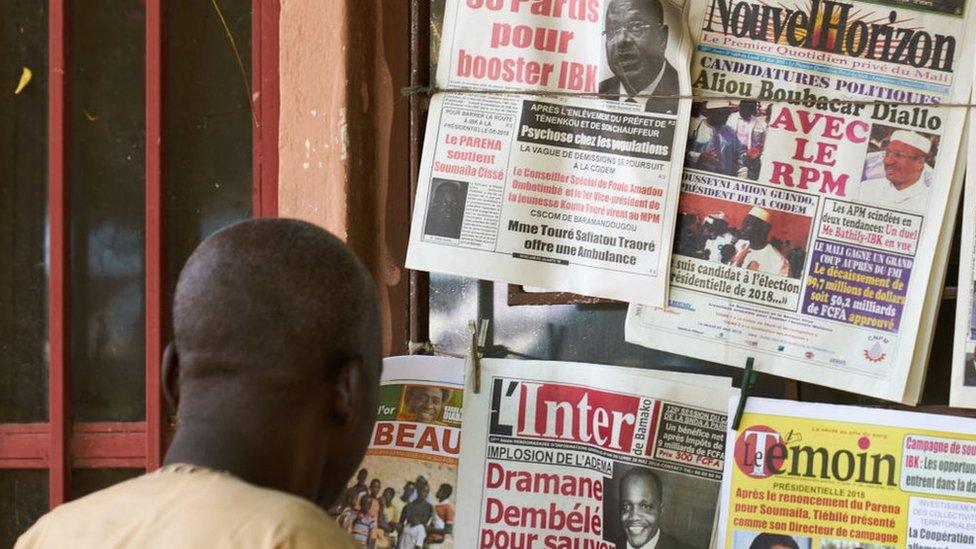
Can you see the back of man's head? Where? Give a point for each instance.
(276, 328)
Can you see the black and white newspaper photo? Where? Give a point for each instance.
(554, 145)
(567, 455)
(823, 167)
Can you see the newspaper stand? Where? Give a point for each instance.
(748, 380)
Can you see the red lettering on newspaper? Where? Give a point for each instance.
(820, 155)
(565, 412)
(414, 436)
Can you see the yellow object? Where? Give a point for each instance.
(186, 506)
(25, 78)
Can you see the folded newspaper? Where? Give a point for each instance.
(404, 493)
(817, 208)
(567, 455)
(547, 188)
(963, 386)
(819, 476)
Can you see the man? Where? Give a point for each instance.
(641, 505)
(416, 516)
(366, 526)
(446, 212)
(773, 541)
(636, 38)
(712, 144)
(355, 492)
(718, 240)
(274, 372)
(902, 187)
(443, 520)
(753, 250)
(390, 513)
(425, 404)
(751, 132)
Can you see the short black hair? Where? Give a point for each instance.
(279, 302)
(647, 474)
(768, 541)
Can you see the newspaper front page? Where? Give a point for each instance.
(962, 390)
(406, 488)
(567, 455)
(819, 476)
(816, 210)
(548, 188)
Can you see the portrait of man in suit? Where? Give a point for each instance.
(636, 38)
(641, 506)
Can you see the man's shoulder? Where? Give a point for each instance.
(610, 85)
(667, 541)
(196, 508)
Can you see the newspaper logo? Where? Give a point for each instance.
(752, 451)
(565, 412)
(761, 452)
(874, 351)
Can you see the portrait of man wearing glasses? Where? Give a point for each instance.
(636, 38)
(902, 187)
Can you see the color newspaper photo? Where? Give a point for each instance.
(740, 235)
(859, 151)
(404, 495)
(846, 477)
(727, 138)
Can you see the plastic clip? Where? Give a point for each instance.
(748, 380)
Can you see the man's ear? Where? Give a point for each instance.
(171, 377)
(346, 393)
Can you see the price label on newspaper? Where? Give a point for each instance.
(817, 205)
(404, 492)
(565, 455)
(551, 189)
(804, 476)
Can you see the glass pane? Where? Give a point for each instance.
(208, 125)
(86, 481)
(107, 167)
(23, 212)
(581, 333)
(23, 499)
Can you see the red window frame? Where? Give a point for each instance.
(57, 445)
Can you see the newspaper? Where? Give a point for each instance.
(816, 212)
(567, 455)
(962, 390)
(406, 484)
(570, 185)
(843, 477)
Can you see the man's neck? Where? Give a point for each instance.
(903, 186)
(653, 73)
(246, 457)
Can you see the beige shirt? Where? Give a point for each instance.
(185, 506)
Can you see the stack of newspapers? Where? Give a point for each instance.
(775, 181)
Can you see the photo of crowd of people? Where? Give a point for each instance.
(404, 502)
(377, 517)
(898, 168)
(740, 235)
(727, 138)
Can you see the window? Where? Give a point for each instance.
(166, 133)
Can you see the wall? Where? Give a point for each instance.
(343, 133)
